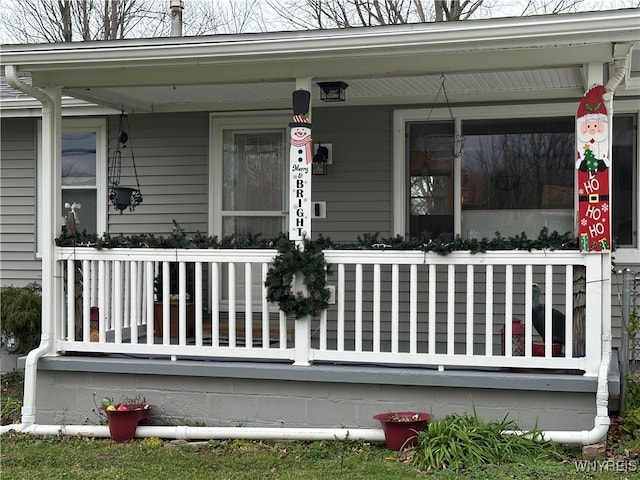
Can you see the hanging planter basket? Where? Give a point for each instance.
(123, 197)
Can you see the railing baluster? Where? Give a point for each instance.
(166, 305)
(198, 302)
(528, 310)
(358, 306)
(133, 311)
(232, 304)
(548, 310)
(451, 309)
(148, 279)
(508, 310)
(470, 304)
(102, 301)
(118, 300)
(568, 340)
(376, 308)
(215, 304)
(488, 301)
(266, 327)
(86, 300)
(341, 302)
(71, 300)
(432, 308)
(248, 308)
(395, 308)
(413, 308)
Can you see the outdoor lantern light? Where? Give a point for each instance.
(123, 197)
(320, 164)
(332, 91)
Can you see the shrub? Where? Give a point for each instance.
(20, 314)
(464, 441)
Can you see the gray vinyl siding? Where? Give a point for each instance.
(18, 265)
(358, 188)
(171, 155)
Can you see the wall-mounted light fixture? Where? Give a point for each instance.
(320, 164)
(332, 91)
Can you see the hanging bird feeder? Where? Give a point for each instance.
(123, 197)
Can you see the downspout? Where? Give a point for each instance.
(46, 342)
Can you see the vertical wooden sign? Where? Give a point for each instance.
(300, 160)
(592, 165)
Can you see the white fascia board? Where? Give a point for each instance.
(29, 107)
(470, 35)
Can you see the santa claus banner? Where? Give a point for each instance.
(300, 160)
(592, 141)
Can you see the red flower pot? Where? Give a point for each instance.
(401, 428)
(538, 349)
(123, 423)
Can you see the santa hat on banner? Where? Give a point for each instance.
(301, 99)
(592, 105)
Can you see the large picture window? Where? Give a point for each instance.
(477, 171)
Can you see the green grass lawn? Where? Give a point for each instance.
(29, 457)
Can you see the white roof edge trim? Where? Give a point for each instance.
(513, 33)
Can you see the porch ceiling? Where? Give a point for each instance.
(420, 89)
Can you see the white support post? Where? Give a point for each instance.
(302, 350)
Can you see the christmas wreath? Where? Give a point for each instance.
(311, 263)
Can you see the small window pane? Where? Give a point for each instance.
(87, 213)
(518, 176)
(253, 162)
(79, 158)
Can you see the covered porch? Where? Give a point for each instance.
(404, 328)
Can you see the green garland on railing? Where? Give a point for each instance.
(545, 241)
(311, 264)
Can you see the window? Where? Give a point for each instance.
(514, 172)
(248, 191)
(84, 159)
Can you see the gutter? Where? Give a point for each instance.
(46, 341)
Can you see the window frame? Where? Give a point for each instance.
(70, 125)
(624, 254)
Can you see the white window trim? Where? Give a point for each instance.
(243, 121)
(623, 255)
(99, 126)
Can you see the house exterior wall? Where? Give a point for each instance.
(20, 264)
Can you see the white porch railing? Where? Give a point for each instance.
(391, 307)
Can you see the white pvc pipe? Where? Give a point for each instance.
(208, 433)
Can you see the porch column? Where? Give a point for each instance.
(51, 214)
(302, 346)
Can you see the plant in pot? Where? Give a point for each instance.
(174, 288)
(401, 428)
(123, 417)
